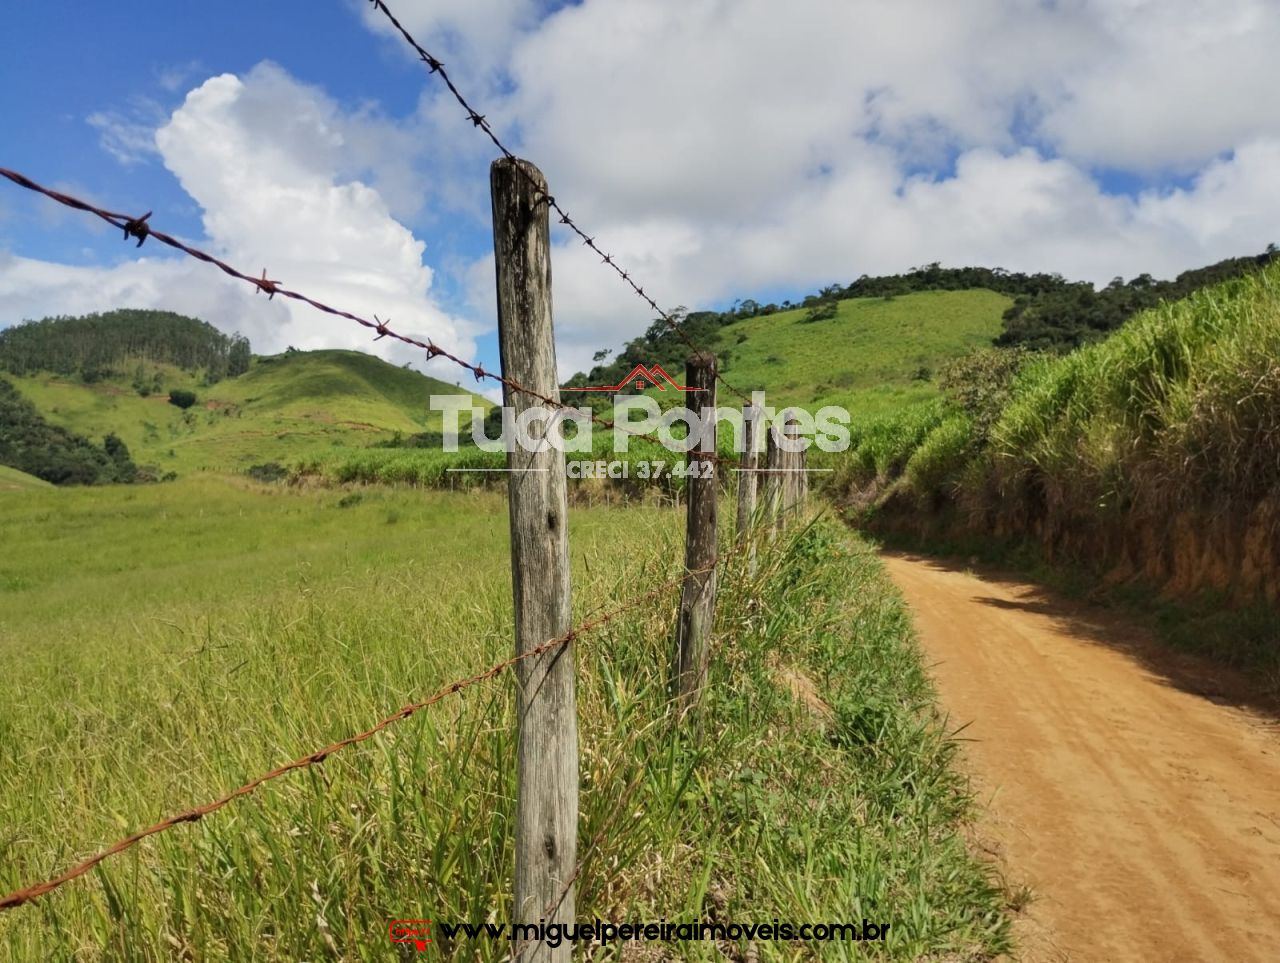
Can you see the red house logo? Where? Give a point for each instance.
(417, 932)
(640, 378)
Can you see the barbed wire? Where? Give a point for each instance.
(139, 228)
(478, 120)
(34, 891)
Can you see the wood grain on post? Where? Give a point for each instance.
(547, 725)
(698, 594)
(802, 480)
(748, 481)
(793, 484)
(774, 479)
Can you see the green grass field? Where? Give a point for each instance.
(875, 357)
(159, 645)
(13, 480)
(285, 407)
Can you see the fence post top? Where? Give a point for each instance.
(521, 167)
(702, 360)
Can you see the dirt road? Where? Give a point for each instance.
(1127, 787)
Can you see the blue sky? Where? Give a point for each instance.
(720, 151)
(110, 61)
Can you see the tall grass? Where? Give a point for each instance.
(1150, 460)
(1178, 409)
(1181, 407)
(159, 646)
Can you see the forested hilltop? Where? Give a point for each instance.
(97, 346)
(1049, 313)
(82, 396)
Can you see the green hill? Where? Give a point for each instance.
(283, 407)
(874, 356)
(12, 480)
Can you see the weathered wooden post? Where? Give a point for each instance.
(698, 594)
(547, 724)
(748, 483)
(802, 478)
(775, 465)
(795, 486)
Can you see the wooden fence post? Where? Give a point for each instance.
(796, 484)
(802, 479)
(774, 479)
(698, 594)
(547, 725)
(748, 482)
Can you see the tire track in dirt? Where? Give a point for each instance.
(1131, 788)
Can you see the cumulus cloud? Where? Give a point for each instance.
(1019, 210)
(477, 32)
(268, 160)
(32, 288)
(727, 149)
(1177, 83)
(721, 150)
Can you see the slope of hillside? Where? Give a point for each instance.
(285, 406)
(1151, 458)
(12, 480)
(875, 356)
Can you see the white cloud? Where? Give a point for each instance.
(32, 289)
(129, 137)
(723, 149)
(265, 157)
(726, 149)
(1019, 211)
(479, 33)
(1177, 83)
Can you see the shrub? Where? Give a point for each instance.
(182, 398)
(981, 383)
(822, 311)
(271, 471)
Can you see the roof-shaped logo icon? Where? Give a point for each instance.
(641, 377)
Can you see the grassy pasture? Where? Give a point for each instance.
(286, 406)
(876, 356)
(160, 645)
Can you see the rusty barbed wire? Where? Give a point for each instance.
(34, 891)
(478, 120)
(137, 227)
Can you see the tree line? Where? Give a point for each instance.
(1049, 313)
(1073, 315)
(96, 346)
